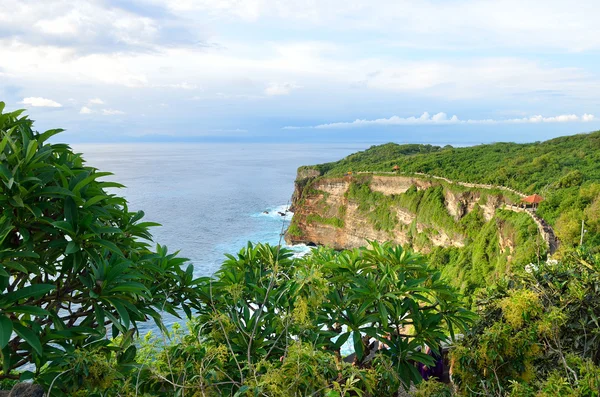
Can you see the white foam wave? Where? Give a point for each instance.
(300, 250)
(280, 212)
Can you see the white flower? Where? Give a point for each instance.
(552, 262)
(530, 268)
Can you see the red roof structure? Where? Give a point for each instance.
(533, 199)
(396, 168)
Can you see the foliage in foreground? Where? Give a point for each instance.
(76, 265)
(538, 334)
(273, 325)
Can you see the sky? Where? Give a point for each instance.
(435, 71)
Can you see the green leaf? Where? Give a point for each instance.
(107, 244)
(5, 359)
(128, 355)
(26, 375)
(131, 287)
(241, 391)
(123, 313)
(31, 148)
(46, 135)
(383, 314)
(341, 340)
(94, 200)
(71, 211)
(105, 185)
(32, 291)
(6, 330)
(89, 179)
(15, 266)
(72, 247)
(66, 226)
(17, 201)
(18, 254)
(358, 344)
(33, 310)
(48, 190)
(4, 171)
(3, 143)
(29, 336)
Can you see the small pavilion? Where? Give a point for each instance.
(532, 200)
(396, 168)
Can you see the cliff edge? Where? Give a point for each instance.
(469, 227)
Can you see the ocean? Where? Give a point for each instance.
(210, 198)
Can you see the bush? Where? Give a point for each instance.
(273, 325)
(537, 334)
(76, 264)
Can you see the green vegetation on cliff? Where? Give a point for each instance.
(563, 170)
(482, 259)
(561, 162)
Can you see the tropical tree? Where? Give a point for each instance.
(270, 324)
(76, 265)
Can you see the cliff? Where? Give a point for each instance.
(328, 212)
(430, 215)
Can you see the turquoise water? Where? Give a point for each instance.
(210, 198)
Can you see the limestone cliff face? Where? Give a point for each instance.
(326, 214)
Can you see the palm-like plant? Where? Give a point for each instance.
(76, 266)
(262, 301)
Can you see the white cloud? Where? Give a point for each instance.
(442, 119)
(223, 95)
(64, 25)
(278, 69)
(588, 117)
(85, 110)
(81, 23)
(380, 54)
(183, 86)
(458, 24)
(275, 89)
(111, 112)
(40, 102)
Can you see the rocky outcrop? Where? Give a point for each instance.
(460, 204)
(304, 176)
(389, 185)
(324, 215)
(23, 390)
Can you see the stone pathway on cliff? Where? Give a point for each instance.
(544, 228)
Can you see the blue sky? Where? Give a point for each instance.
(303, 70)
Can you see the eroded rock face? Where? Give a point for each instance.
(323, 214)
(460, 204)
(389, 185)
(24, 390)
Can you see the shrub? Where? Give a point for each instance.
(76, 264)
(537, 333)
